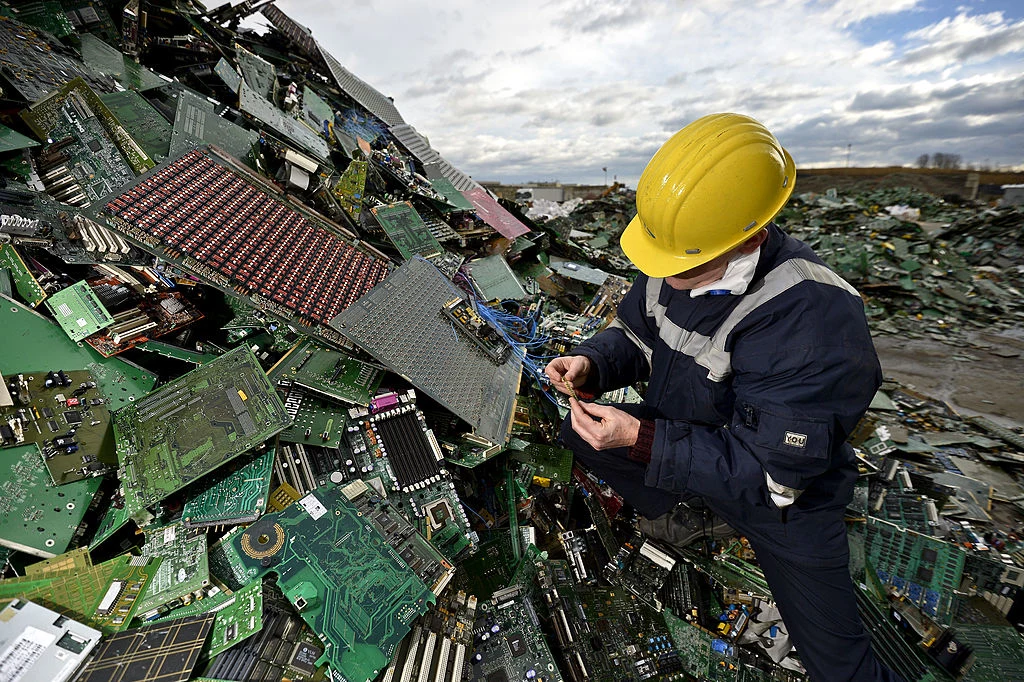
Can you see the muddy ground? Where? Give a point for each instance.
(974, 379)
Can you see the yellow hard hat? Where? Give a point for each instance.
(708, 189)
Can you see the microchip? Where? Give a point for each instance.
(94, 145)
(924, 575)
(73, 417)
(47, 412)
(572, 389)
(498, 676)
(53, 426)
(439, 512)
(306, 656)
(929, 555)
(516, 645)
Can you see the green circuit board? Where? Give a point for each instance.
(194, 424)
(239, 618)
(77, 102)
(37, 517)
(315, 421)
(352, 567)
(492, 566)
(24, 281)
(75, 560)
(605, 634)
(70, 424)
(184, 570)
(104, 596)
(225, 564)
(327, 372)
(238, 495)
(258, 73)
(142, 120)
(239, 614)
(31, 336)
(550, 463)
(315, 110)
(509, 640)
(406, 229)
(999, 656)
(926, 570)
(79, 311)
(701, 661)
(455, 197)
(98, 154)
(196, 122)
(115, 519)
(350, 188)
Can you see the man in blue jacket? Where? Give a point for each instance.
(759, 364)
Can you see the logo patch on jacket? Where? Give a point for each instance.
(795, 440)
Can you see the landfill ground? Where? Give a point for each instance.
(980, 379)
(273, 404)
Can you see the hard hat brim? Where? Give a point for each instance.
(644, 252)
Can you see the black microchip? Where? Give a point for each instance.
(439, 514)
(73, 417)
(516, 645)
(305, 657)
(94, 145)
(929, 555)
(498, 676)
(47, 412)
(54, 426)
(6, 433)
(924, 575)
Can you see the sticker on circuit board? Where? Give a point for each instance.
(313, 506)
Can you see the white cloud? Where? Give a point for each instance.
(955, 41)
(560, 88)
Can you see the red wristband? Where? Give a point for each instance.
(640, 451)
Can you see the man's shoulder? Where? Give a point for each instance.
(798, 294)
(785, 247)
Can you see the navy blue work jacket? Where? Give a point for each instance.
(752, 394)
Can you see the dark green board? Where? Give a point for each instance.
(407, 231)
(149, 128)
(193, 425)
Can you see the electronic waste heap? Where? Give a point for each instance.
(273, 408)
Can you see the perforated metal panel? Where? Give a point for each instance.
(400, 323)
(361, 91)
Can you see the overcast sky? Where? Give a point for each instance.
(558, 89)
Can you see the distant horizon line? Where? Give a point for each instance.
(1015, 170)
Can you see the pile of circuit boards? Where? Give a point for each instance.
(272, 403)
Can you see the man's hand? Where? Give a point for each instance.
(575, 368)
(603, 427)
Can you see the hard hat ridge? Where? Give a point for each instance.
(704, 191)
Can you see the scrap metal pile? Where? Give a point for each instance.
(927, 266)
(272, 402)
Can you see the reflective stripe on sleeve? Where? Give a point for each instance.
(644, 348)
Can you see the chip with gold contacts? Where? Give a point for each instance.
(571, 389)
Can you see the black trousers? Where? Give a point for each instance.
(815, 594)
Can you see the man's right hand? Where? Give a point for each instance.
(575, 368)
